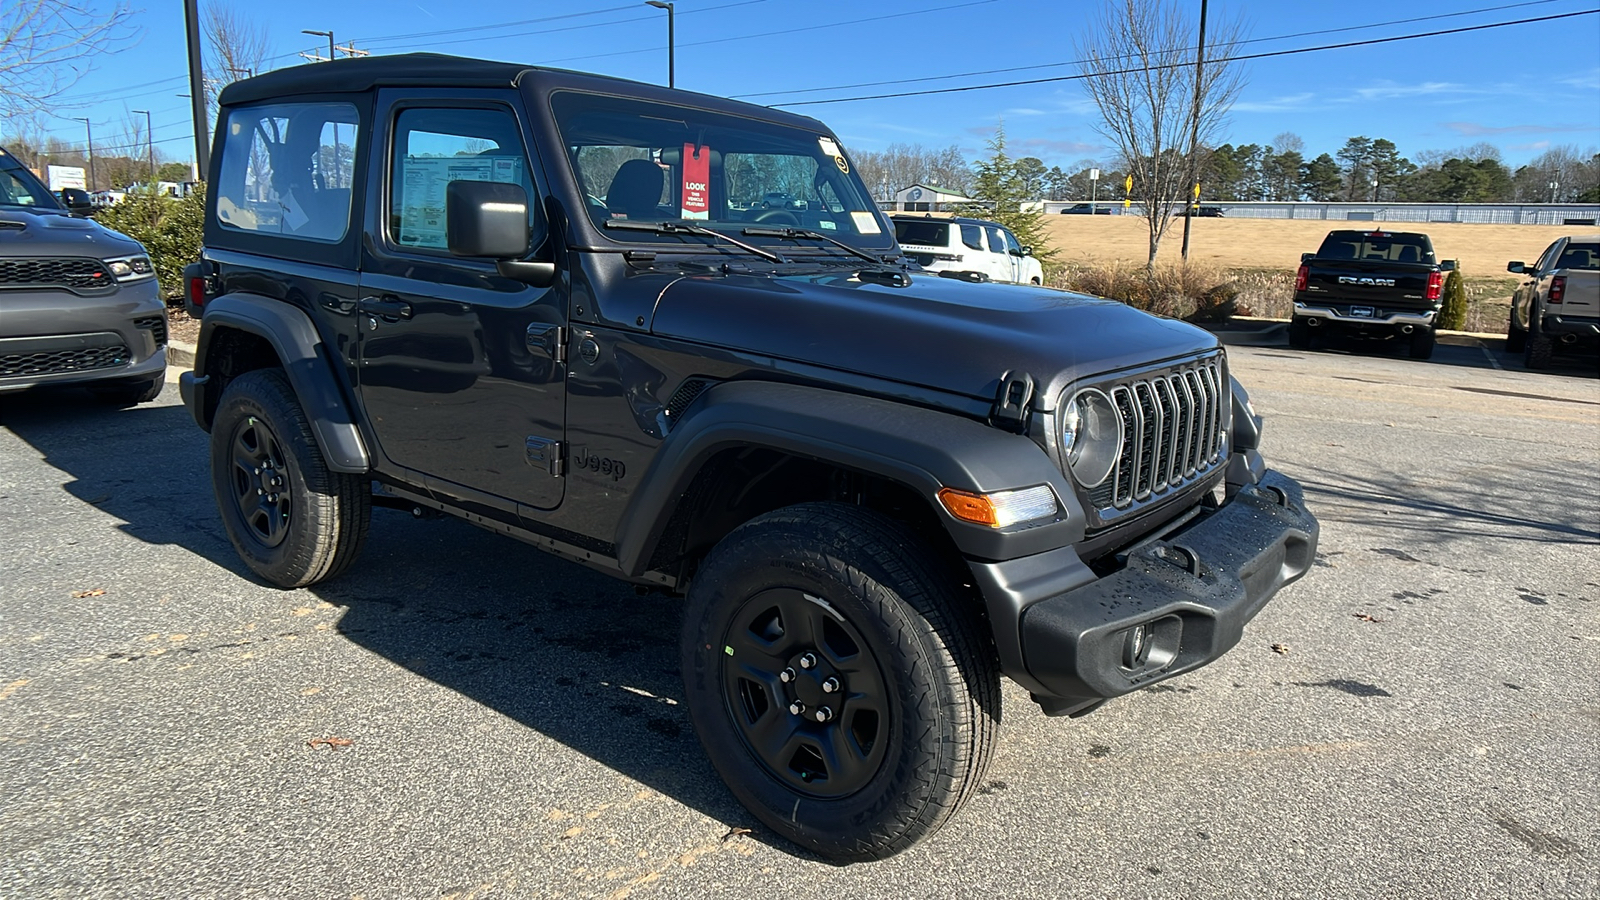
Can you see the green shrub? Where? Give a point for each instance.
(169, 228)
(1453, 315)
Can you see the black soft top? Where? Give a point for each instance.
(440, 70)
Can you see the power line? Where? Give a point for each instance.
(628, 21)
(1057, 65)
(786, 31)
(1248, 56)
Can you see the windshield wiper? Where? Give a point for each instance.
(798, 233)
(686, 228)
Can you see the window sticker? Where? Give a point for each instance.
(696, 182)
(422, 222)
(866, 222)
(829, 148)
(827, 225)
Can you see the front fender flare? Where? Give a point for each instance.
(920, 448)
(305, 360)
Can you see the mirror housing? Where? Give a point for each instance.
(489, 220)
(1515, 266)
(1307, 257)
(77, 201)
(1448, 265)
(1025, 251)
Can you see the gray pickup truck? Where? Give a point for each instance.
(1559, 305)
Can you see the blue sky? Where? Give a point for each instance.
(1521, 88)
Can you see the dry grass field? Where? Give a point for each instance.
(1277, 243)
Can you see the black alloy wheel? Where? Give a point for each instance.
(805, 693)
(292, 520)
(260, 481)
(841, 681)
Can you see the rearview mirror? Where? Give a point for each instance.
(77, 201)
(1514, 267)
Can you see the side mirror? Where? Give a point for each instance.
(77, 201)
(1307, 257)
(1448, 265)
(1026, 251)
(1515, 267)
(489, 220)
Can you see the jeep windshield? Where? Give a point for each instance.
(641, 161)
(18, 187)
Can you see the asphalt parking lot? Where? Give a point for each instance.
(463, 716)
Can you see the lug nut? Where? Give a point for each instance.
(258, 470)
(786, 676)
(831, 685)
(259, 492)
(808, 661)
(797, 708)
(823, 714)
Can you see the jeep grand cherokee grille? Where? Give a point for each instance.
(51, 271)
(1172, 432)
(157, 326)
(52, 362)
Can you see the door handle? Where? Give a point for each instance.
(390, 309)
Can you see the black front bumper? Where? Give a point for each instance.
(1191, 593)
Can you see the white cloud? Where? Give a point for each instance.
(1389, 90)
(1276, 104)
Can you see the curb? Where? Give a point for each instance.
(180, 355)
(1253, 331)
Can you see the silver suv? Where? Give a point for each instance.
(79, 303)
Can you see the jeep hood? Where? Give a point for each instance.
(938, 333)
(50, 232)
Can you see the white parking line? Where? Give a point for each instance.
(1489, 356)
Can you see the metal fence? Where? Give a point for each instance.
(1575, 214)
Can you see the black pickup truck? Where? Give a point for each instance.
(1384, 285)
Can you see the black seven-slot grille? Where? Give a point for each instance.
(1172, 432)
(50, 271)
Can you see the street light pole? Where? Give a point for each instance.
(88, 148)
(197, 90)
(149, 145)
(671, 41)
(326, 34)
(1194, 135)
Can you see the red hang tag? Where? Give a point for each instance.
(696, 182)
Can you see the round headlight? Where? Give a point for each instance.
(1091, 436)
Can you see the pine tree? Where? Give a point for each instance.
(999, 188)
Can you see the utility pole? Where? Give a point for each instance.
(88, 148)
(1194, 135)
(149, 145)
(671, 41)
(197, 89)
(326, 34)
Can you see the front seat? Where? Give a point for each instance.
(635, 190)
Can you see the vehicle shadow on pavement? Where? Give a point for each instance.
(570, 653)
(1474, 353)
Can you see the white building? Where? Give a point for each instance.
(928, 198)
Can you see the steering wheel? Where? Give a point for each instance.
(778, 216)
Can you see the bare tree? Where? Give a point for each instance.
(1140, 58)
(235, 47)
(47, 45)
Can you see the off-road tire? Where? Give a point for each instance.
(939, 677)
(1300, 333)
(1422, 341)
(1516, 336)
(328, 513)
(130, 393)
(1538, 350)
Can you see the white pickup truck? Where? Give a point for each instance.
(967, 246)
(1559, 305)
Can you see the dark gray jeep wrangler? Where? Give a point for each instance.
(562, 307)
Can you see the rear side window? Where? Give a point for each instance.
(972, 236)
(1376, 246)
(930, 233)
(287, 170)
(1580, 256)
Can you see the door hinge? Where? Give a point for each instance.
(548, 455)
(548, 339)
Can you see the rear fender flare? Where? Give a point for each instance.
(919, 448)
(306, 362)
